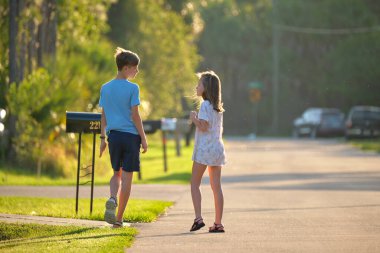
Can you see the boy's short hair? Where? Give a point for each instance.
(125, 58)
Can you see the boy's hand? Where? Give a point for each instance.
(144, 145)
(103, 145)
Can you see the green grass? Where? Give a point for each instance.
(152, 168)
(136, 211)
(373, 145)
(47, 238)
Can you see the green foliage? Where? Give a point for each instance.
(236, 43)
(82, 73)
(81, 22)
(327, 70)
(38, 238)
(166, 48)
(234, 39)
(70, 80)
(36, 113)
(352, 75)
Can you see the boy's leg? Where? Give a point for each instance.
(125, 191)
(115, 183)
(111, 204)
(196, 178)
(215, 175)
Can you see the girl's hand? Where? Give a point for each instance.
(193, 115)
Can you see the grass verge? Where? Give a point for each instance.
(372, 145)
(47, 238)
(137, 210)
(152, 168)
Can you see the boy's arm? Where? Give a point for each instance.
(200, 123)
(140, 129)
(103, 143)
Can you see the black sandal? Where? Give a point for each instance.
(217, 228)
(198, 224)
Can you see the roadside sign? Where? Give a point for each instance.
(255, 91)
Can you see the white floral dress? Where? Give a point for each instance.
(208, 146)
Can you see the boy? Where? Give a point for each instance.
(121, 122)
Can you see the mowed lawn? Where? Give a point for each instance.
(152, 167)
(137, 210)
(46, 238)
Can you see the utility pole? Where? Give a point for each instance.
(275, 69)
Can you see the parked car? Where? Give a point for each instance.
(316, 122)
(363, 122)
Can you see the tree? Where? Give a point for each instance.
(236, 43)
(61, 60)
(318, 64)
(166, 48)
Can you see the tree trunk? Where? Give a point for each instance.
(22, 55)
(13, 32)
(42, 34)
(51, 37)
(39, 160)
(31, 45)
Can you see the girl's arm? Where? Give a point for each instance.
(201, 124)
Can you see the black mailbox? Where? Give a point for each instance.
(83, 122)
(151, 126)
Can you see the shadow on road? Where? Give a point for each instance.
(335, 181)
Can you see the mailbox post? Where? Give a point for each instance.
(150, 127)
(183, 126)
(83, 122)
(167, 124)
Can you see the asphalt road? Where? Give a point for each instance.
(281, 195)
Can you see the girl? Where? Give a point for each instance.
(208, 148)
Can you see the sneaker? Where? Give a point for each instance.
(118, 224)
(109, 214)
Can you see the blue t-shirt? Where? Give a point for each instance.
(117, 97)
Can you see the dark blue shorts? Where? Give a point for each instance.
(124, 150)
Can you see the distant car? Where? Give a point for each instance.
(363, 122)
(316, 122)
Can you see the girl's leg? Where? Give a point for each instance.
(125, 191)
(215, 175)
(196, 178)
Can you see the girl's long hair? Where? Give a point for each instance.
(212, 89)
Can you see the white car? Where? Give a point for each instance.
(316, 122)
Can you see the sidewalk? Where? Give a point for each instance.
(15, 218)
(139, 191)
